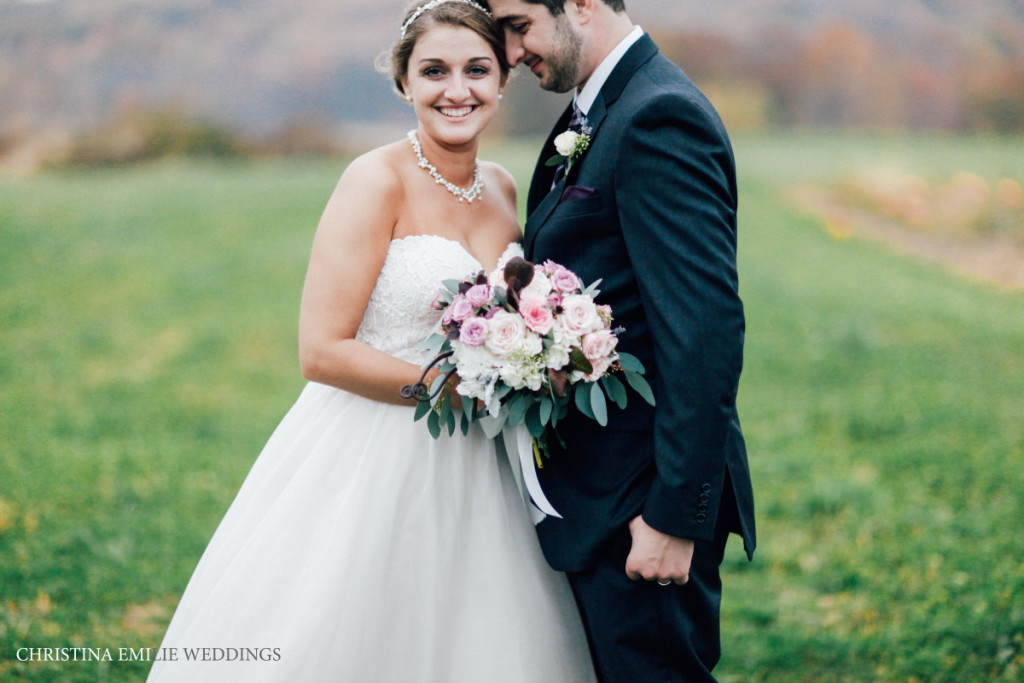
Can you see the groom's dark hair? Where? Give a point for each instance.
(557, 7)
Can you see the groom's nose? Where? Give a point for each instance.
(514, 50)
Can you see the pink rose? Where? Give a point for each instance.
(473, 332)
(565, 281)
(446, 317)
(598, 346)
(536, 314)
(436, 303)
(579, 315)
(505, 333)
(461, 309)
(600, 367)
(478, 295)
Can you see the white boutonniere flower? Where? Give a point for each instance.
(570, 146)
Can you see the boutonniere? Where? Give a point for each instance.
(570, 146)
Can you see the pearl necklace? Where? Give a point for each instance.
(468, 195)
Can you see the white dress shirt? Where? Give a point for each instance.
(585, 97)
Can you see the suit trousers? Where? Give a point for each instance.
(641, 632)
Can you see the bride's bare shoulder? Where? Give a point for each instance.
(377, 171)
(368, 198)
(498, 176)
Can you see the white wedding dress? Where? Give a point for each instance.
(361, 549)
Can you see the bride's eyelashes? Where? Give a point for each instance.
(436, 72)
(474, 70)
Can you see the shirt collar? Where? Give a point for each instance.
(585, 97)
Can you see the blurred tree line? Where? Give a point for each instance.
(841, 77)
(827, 75)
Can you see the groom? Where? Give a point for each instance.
(649, 208)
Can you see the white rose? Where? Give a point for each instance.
(533, 345)
(579, 315)
(505, 333)
(565, 143)
(557, 357)
(539, 286)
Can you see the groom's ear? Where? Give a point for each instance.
(581, 10)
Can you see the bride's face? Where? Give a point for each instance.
(454, 80)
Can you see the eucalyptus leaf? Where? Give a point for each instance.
(630, 362)
(435, 389)
(434, 424)
(616, 390)
(468, 406)
(546, 408)
(598, 404)
(533, 421)
(517, 409)
(583, 401)
(464, 423)
(433, 343)
(640, 385)
(445, 409)
(450, 418)
(422, 408)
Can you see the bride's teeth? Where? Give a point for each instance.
(457, 112)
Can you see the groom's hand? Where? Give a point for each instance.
(656, 556)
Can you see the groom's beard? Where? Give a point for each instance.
(564, 60)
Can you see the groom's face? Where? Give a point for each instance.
(550, 45)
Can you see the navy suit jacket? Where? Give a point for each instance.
(651, 210)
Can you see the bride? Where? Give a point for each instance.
(359, 548)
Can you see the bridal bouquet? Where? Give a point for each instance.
(527, 341)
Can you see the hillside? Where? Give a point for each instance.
(258, 65)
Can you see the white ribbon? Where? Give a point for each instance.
(517, 442)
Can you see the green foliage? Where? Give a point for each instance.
(149, 348)
(149, 136)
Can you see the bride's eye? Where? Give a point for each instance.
(433, 72)
(478, 71)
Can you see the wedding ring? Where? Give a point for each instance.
(662, 582)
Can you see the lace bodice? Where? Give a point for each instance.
(399, 315)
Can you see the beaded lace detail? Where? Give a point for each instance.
(399, 315)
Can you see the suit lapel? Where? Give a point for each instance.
(540, 185)
(543, 199)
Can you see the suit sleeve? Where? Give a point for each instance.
(676, 196)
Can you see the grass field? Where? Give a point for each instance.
(148, 348)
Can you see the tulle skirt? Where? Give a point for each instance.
(361, 549)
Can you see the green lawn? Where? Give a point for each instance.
(148, 349)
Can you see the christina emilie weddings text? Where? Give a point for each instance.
(148, 654)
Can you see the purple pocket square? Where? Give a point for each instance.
(573, 192)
